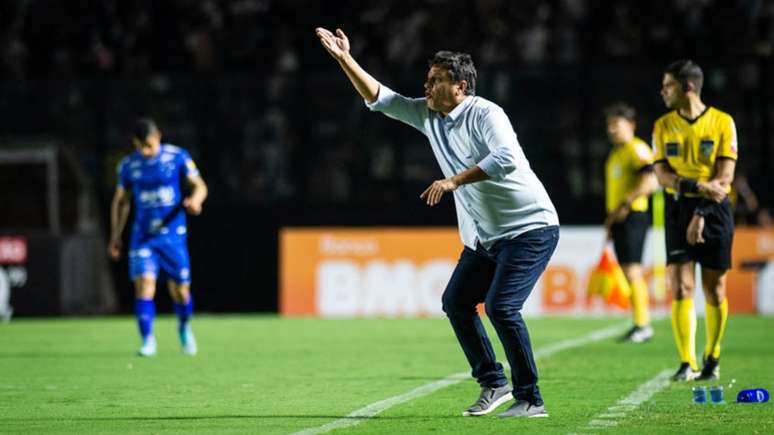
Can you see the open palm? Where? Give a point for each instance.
(337, 45)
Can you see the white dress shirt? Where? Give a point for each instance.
(478, 132)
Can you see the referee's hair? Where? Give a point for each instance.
(144, 127)
(460, 66)
(686, 71)
(622, 110)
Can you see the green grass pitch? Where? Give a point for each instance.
(265, 375)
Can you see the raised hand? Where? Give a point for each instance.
(337, 45)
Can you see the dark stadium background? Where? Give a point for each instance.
(282, 139)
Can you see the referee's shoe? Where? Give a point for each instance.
(638, 334)
(685, 373)
(710, 371)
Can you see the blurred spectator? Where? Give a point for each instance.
(745, 201)
(764, 218)
(243, 82)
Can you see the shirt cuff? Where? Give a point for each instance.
(382, 97)
(493, 169)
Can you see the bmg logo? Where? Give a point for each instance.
(162, 196)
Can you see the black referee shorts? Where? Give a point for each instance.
(715, 252)
(629, 237)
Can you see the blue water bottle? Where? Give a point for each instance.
(699, 395)
(754, 395)
(716, 395)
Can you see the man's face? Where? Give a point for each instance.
(672, 92)
(150, 146)
(442, 93)
(619, 130)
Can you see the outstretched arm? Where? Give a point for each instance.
(337, 46)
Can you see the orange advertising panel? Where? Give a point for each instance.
(354, 272)
(365, 271)
(753, 250)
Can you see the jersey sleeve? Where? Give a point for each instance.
(728, 145)
(188, 167)
(657, 142)
(124, 181)
(641, 156)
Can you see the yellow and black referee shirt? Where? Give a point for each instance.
(691, 147)
(622, 172)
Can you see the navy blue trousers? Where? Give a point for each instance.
(502, 277)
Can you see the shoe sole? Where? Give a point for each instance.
(541, 415)
(641, 339)
(686, 379)
(491, 408)
(707, 378)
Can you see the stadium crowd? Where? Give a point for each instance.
(242, 84)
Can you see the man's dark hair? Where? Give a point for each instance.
(460, 67)
(143, 127)
(685, 71)
(622, 110)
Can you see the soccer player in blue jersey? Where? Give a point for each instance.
(151, 178)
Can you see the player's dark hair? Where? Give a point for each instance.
(143, 127)
(686, 71)
(621, 110)
(460, 67)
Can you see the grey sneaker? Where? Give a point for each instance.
(489, 399)
(522, 408)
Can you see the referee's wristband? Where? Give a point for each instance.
(687, 185)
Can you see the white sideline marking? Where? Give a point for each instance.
(369, 411)
(610, 417)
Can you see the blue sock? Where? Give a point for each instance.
(183, 312)
(145, 311)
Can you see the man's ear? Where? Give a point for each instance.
(463, 86)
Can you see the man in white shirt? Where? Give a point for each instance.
(507, 222)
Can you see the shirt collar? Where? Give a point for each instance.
(456, 113)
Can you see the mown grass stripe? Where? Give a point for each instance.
(369, 411)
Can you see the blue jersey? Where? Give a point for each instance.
(155, 187)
